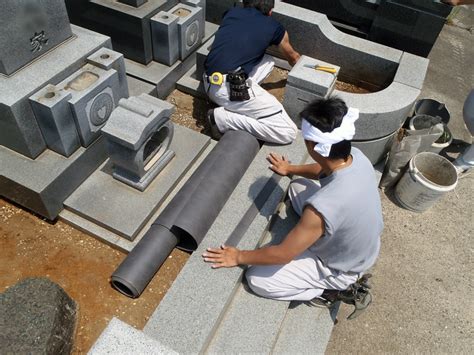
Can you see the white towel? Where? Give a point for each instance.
(345, 131)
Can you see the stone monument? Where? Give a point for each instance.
(58, 86)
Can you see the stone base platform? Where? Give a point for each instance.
(113, 211)
(42, 185)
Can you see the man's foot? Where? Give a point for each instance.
(215, 133)
(326, 300)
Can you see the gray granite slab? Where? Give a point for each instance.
(30, 28)
(19, 130)
(304, 76)
(382, 112)
(412, 70)
(42, 185)
(377, 149)
(106, 201)
(163, 76)
(186, 309)
(251, 324)
(190, 85)
(121, 338)
(113, 239)
(358, 58)
(137, 87)
(305, 330)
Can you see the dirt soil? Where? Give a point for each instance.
(82, 265)
(32, 247)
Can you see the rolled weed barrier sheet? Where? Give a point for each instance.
(189, 215)
(428, 178)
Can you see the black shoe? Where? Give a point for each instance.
(215, 133)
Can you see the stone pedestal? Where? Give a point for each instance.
(305, 84)
(139, 134)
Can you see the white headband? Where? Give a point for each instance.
(345, 131)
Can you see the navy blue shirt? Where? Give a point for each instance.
(241, 41)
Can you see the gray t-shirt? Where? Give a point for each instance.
(349, 202)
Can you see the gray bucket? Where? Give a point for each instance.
(426, 121)
(428, 178)
(432, 108)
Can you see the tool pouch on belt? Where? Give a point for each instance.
(239, 90)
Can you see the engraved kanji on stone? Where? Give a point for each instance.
(38, 41)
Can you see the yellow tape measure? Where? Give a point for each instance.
(216, 78)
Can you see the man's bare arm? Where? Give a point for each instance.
(308, 230)
(288, 51)
(281, 166)
(459, 2)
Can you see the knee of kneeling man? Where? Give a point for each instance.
(255, 282)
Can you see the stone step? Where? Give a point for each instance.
(251, 324)
(305, 330)
(191, 311)
(121, 338)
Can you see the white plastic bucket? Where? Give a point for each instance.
(428, 178)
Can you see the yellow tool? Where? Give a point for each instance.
(322, 68)
(216, 78)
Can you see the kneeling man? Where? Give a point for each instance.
(337, 237)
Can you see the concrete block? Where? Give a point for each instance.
(19, 130)
(29, 30)
(190, 28)
(304, 76)
(186, 309)
(412, 70)
(55, 119)
(42, 185)
(95, 94)
(164, 28)
(134, 3)
(107, 59)
(121, 338)
(139, 134)
(112, 200)
(377, 149)
(380, 113)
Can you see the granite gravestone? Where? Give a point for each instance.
(30, 28)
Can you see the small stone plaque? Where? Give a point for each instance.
(30, 28)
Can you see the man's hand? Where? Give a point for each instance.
(223, 257)
(288, 51)
(280, 165)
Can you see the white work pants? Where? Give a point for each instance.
(304, 278)
(263, 115)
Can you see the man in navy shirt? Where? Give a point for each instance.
(240, 43)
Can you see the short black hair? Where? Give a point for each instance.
(326, 115)
(264, 6)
